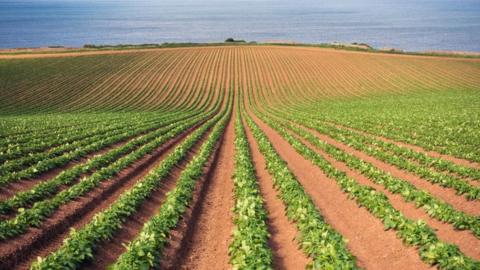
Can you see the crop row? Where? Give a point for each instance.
(413, 119)
(416, 233)
(78, 247)
(58, 138)
(423, 159)
(47, 188)
(361, 143)
(399, 151)
(32, 158)
(44, 165)
(145, 250)
(317, 238)
(434, 207)
(41, 210)
(249, 246)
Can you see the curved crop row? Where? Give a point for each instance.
(41, 210)
(249, 247)
(434, 207)
(79, 246)
(145, 250)
(318, 239)
(47, 188)
(416, 233)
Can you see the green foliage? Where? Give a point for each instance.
(249, 247)
(145, 250)
(433, 206)
(416, 233)
(79, 246)
(317, 239)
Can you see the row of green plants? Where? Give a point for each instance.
(434, 207)
(414, 118)
(79, 246)
(317, 238)
(32, 158)
(44, 165)
(35, 215)
(412, 232)
(19, 129)
(249, 246)
(404, 152)
(361, 143)
(145, 251)
(48, 188)
(59, 138)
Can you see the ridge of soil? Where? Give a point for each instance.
(18, 252)
(203, 235)
(460, 202)
(286, 252)
(465, 240)
(367, 239)
(107, 252)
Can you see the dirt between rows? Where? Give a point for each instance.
(367, 239)
(19, 252)
(286, 253)
(460, 202)
(465, 240)
(201, 239)
(106, 253)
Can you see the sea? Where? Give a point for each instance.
(412, 25)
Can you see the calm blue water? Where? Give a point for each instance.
(405, 24)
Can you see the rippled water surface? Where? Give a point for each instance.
(408, 24)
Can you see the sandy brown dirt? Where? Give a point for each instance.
(446, 194)
(43, 240)
(374, 247)
(207, 246)
(465, 240)
(106, 253)
(285, 250)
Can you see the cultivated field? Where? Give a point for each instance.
(245, 157)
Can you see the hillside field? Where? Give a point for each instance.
(243, 157)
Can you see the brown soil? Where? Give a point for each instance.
(465, 240)
(286, 253)
(211, 224)
(374, 247)
(446, 194)
(106, 253)
(19, 252)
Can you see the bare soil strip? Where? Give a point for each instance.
(201, 241)
(458, 161)
(106, 253)
(446, 194)
(19, 252)
(374, 247)
(286, 253)
(465, 240)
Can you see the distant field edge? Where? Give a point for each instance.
(124, 48)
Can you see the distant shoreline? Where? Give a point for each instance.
(361, 47)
